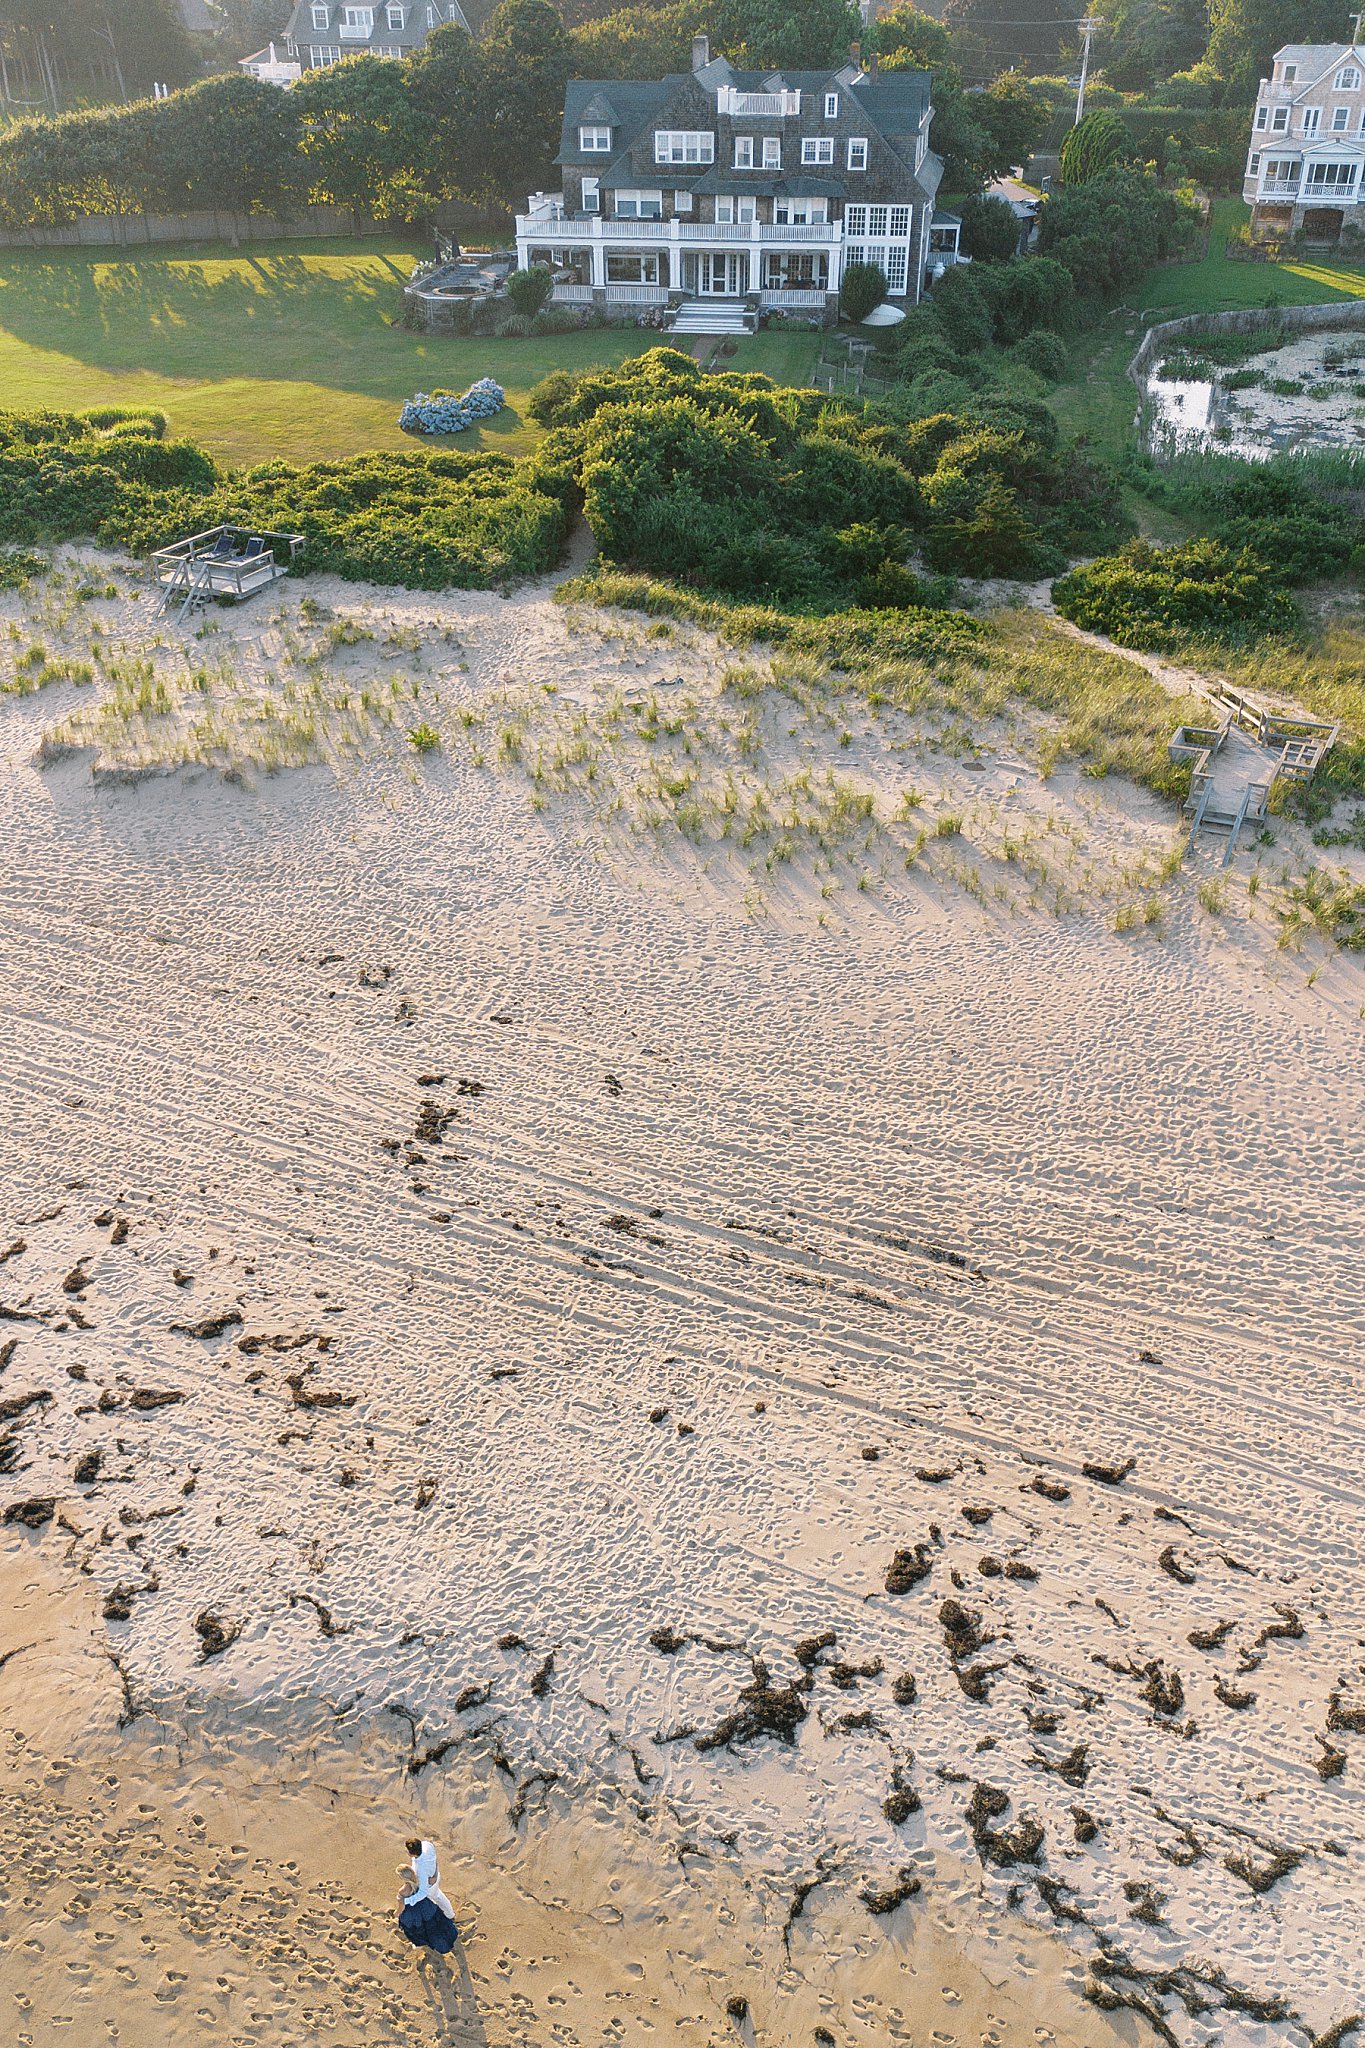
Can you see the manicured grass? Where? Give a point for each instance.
(286, 349)
(1098, 401)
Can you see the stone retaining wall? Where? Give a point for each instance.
(1346, 314)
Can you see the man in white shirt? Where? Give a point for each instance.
(427, 1873)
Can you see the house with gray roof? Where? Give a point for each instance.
(719, 194)
(327, 31)
(1305, 171)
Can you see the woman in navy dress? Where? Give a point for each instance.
(425, 1914)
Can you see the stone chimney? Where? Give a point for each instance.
(855, 56)
(701, 52)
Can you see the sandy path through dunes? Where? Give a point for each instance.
(735, 1408)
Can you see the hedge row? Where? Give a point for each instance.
(431, 521)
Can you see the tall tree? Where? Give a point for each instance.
(1245, 34)
(365, 145)
(1028, 35)
(243, 26)
(640, 42)
(1149, 40)
(445, 91)
(800, 35)
(524, 67)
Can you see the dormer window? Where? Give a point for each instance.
(320, 17)
(1348, 80)
(684, 146)
(1290, 74)
(594, 141)
(831, 106)
(857, 152)
(397, 17)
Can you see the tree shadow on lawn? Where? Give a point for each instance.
(275, 317)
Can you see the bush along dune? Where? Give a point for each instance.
(723, 483)
(429, 520)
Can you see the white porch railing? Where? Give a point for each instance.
(1278, 188)
(572, 295)
(792, 302)
(636, 294)
(538, 227)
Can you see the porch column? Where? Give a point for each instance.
(598, 255)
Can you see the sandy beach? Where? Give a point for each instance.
(807, 1431)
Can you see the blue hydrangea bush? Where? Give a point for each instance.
(441, 412)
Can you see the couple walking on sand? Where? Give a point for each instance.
(425, 1914)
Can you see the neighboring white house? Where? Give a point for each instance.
(1305, 172)
(750, 189)
(272, 67)
(327, 31)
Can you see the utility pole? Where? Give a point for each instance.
(1089, 27)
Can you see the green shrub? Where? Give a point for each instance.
(1094, 146)
(18, 569)
(862, 291)
(990, 232)
(515, 327)
(427, 520)
(1043, 353)
(529, 290)
(1159, 598)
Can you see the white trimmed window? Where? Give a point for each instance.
(1279, 121)
(1262, 116)
(1281, 170)
(1290, 74)
(900, 220)
(639, 205)
(1312, 120)
(1337, 179)
(854, 252)
(817, 149)
(732, 207)
(684, 146)
(1341, 120)
(876, 220)
(321, 17)
(594, 141)
(624, 269)
(397, 17)
(800, 213)
(772, 152)
(855, 220)
(897, 264)
(831, 106)
(744, 152)
(592, 196)
(357, 21)
(857, 152)
(682, 201)
(323, 54)
(1253, 166)
(1348, 80)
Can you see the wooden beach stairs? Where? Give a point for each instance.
(1236, 764)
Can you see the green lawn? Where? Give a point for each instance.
(1098, 400)
(286, 349)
